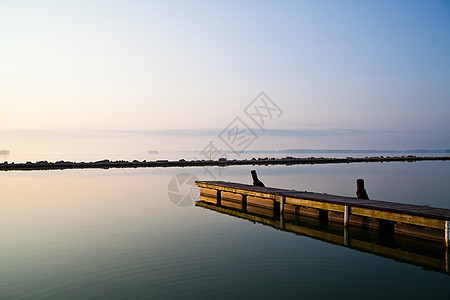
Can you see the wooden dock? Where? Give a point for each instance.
(397, 218)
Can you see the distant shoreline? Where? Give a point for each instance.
(356, 151)
(107, 164)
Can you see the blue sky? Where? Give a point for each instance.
(345, 73)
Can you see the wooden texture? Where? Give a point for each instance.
(397, 212)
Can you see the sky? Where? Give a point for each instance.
(174, 74)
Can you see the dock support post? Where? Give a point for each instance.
(346, 213)
(219, 197)
(447, 260)
(323, 215)
(447, 234)
(282, 202)
(346, 236)
(282, 222)
(360, 190)
(244, 203)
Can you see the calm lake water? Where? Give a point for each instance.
(115, 234)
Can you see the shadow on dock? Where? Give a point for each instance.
(427, 254)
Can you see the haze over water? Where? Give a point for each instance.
(343, 75)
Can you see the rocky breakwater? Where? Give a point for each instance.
(106, 163)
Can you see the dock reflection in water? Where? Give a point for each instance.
(426, 254)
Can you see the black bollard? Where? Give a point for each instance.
(360, 190)
(256, 181)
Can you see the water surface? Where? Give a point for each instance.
(115, 234)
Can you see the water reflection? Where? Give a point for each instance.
(115, 234)
(428, 255)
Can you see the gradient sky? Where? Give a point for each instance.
(342, 72)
